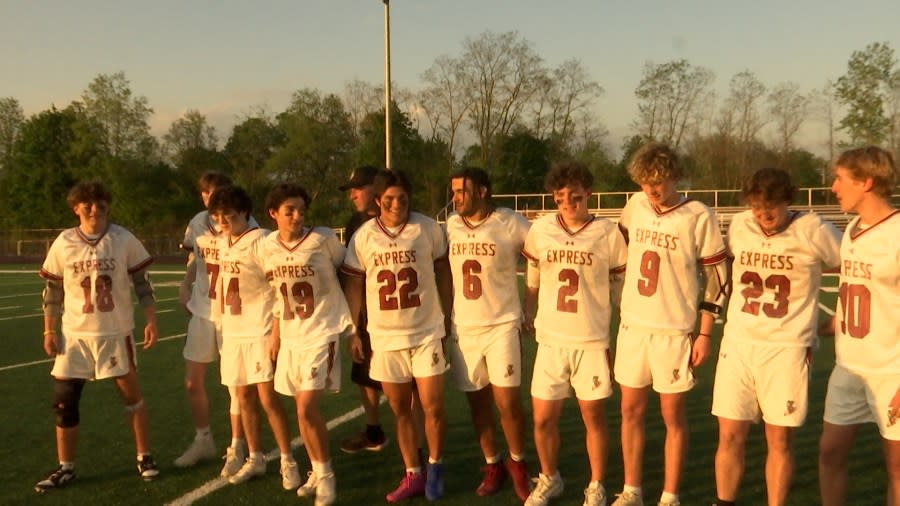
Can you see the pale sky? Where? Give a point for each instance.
(224, 58)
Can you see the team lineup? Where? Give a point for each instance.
(410, 299)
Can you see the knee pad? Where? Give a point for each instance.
(66, 396)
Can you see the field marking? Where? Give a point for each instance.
(20, 317)
(19, 295)
(829, 289)
(46, 360)
(826, 309)
(217, 483)
(9, 307)
(20, 271)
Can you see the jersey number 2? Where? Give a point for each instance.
(404, 283)
(754, 289)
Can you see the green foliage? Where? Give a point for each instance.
(864, 89)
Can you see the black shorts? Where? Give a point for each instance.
(359, 373)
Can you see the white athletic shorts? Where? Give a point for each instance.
(854, 398)
(401, 366)
(94, 358)
(558, 370)
(203, 342)
(307, 369)
(651, 356)
(246, 363)
(754, 379)
(481, 356)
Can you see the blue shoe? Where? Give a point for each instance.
(434, 482)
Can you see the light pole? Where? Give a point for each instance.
(387, 84)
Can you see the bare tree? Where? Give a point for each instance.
(11, 119)
(561, 96)
(825, 106)
(444, 102)
(500, 73)
(667, 95)
(788, 109)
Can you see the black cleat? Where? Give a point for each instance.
(57, 479)
(146, 467)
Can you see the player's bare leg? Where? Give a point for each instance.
(370, 398)
(779, 463)
(675, 417)
(234, 414)
(431, 395)
(892, 462)
(546, 433)
(481, 410)
(249, 401)
(399, 396)
(276, 415)
(593, 413)
(418, 418)
(312, 425)
(834, 447)
(66, 443)
(136, 411)
(634, 407)
(730, 457)
(512, 418)
(195, 388)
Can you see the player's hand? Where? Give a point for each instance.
(700, 350)
(894, 409)
(274, 345)
(357, 354)
(826, 329)
(184, 295)
(151, 335)
(51, 346)
(528, 324)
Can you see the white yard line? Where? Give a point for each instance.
(219, 482)
(46, 360)
(826, 309)
(9, 307)
(20, 317)
(19, 295)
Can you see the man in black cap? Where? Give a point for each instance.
(372, 438)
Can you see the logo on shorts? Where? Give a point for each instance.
(258, 367)
(892, 417)
(313, 373)
(595, 381)
(510, 370)
(113, 361)
(435, 358)
(789, 408)
(676, 375)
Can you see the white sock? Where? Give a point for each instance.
(321, 468)
(67, 465)
(634, 490)
(493, 460)
(668, 497)
(287, 457)
(203, 433)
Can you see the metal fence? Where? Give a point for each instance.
(31, 245)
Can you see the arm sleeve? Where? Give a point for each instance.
(143, 288)
(53, 298)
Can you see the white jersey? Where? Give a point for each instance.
(665, 250)
(310, 305)
(867, 330)
(244, 297)
(96, 278)
(200, 238)
(402, 302)
(575, 268)
(484, 258)
(776, 278)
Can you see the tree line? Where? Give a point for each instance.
(497, 104)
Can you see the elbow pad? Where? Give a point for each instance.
(718, 288)
(53, 298)
(142, 287)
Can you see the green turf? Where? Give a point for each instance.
(106, 473)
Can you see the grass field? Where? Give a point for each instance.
(106, 473)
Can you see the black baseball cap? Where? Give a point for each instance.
(362, 176)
